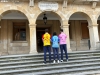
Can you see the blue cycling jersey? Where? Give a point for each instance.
(55, 41)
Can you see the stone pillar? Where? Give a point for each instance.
(94, 37)
(66, 31)
(33, 46)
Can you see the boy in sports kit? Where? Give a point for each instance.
(46, 45)
(63, 45)
(55, 46)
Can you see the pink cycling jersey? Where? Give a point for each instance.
(62, 38)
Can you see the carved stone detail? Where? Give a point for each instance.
(64, 3)
(48, 6)
(94, 5)
(31, 3)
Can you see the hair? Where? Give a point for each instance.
(46, 30)
(54, 33)
(61, 30)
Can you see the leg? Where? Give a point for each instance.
(61, 48)
(65, 49)
(44, 48)
(54, 53)
(49, 53)
(57, 51)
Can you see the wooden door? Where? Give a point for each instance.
(85, 30)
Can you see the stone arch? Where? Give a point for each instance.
(88, 17)
(19, 9)
(97, 20)
(58, 14)
(96, 17)
(50, 26)
(78, 35)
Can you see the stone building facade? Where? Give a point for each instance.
(22, 24)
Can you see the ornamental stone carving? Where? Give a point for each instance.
(31, 3)
(48, 6)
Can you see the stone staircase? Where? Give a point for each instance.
(80, 63)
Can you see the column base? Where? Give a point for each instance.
(33, 52)
(69, 50)
(93, 48)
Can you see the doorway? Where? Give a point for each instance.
(40, 31)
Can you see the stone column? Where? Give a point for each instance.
(33, 46)
(94, 37)
(66, 31)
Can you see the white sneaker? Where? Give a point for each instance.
(58, 61)
(54, 61)
(61, 60)
(67, 60)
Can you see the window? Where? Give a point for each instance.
(85, 31)
(19, 31)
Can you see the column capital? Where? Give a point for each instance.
(65, 26)
(65, 22)
(94, 25)
(32, 25)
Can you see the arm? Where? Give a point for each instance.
(65, 36)
(52, 39)
(59, 36)
(58, 40)
(42, 37)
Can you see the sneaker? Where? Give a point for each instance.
(50, 62)
(58, 61)
(54, 61)
(44, 62)
(61, 60)
(67, 60)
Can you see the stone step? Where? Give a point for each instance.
(77, 53)
(67, 71)
(41, 59)
(40, 63)
(49, 66)
(53, 70)
(92, 72)
(81, 61)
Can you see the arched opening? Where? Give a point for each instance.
(98, 22)
(79, 32)
(53, 24)
(14, 30)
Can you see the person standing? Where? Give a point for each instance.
(63, 45)
(46, 45)
(55, 46)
